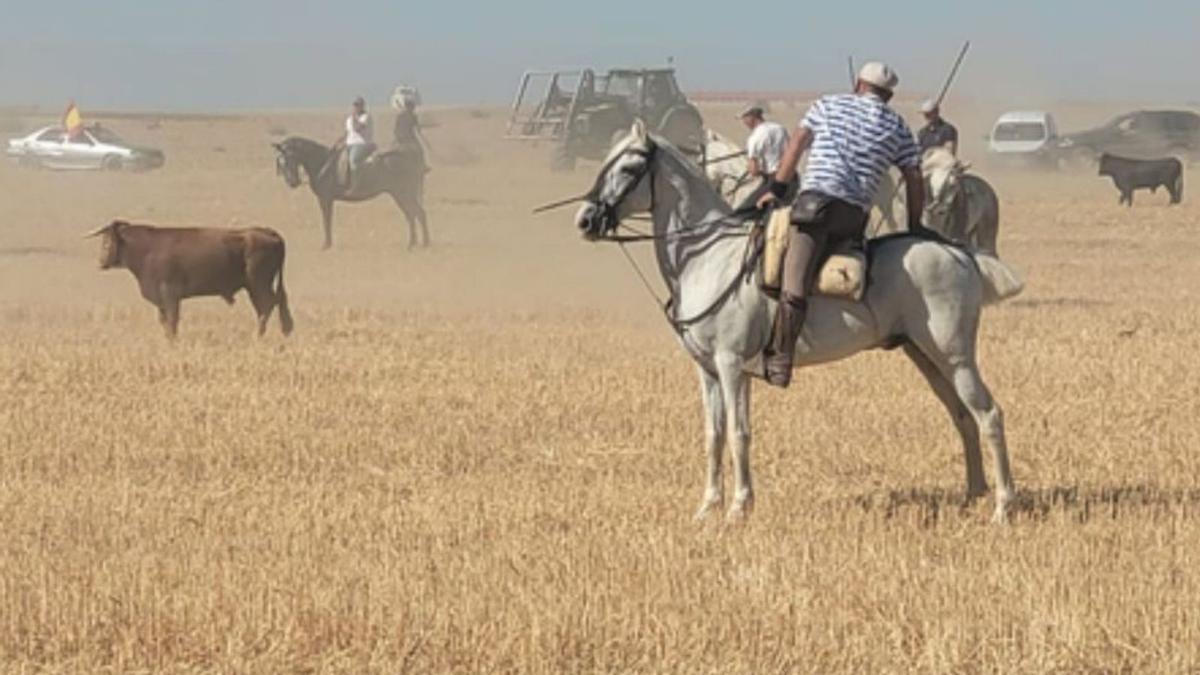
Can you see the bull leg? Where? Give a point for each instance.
(168, 311)
(263, 299)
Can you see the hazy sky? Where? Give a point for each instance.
(210, 54)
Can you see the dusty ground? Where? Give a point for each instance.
(483, 457)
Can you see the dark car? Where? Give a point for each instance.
(1144, 134)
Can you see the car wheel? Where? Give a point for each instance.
(27, 162)
(112, 163)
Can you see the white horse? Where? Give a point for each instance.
(730, 176)
(961, 206)
(923, 295)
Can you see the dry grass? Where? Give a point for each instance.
(484, 458)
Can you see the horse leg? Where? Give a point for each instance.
(714, 443)
(410, 214)
(735, 389)
(327, 223)
(964, 421)
(975, 396)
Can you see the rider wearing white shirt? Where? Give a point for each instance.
(764, 150)
(360, 132)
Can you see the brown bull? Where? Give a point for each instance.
(171, 264)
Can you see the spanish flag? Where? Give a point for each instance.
(72, 121)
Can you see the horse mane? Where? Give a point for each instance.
(302, 141)
(938, 157)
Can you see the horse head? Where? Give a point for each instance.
(620, 188)
(943, 180)
(288, 162)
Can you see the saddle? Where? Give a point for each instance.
(843, 273)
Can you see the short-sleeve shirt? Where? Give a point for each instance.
(354, 136)
(856, 139)
(937, 134)
(766, 145)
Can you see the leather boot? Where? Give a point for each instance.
(778, 357)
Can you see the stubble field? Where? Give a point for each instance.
(484, 457)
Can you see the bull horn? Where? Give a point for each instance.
(965, 166)
(97, 232)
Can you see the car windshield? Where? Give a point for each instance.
(104, 135)
(1019, 131)
(624, 85)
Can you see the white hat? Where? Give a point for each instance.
(878, 74)
(928, 106)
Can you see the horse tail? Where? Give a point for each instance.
(1000, 282)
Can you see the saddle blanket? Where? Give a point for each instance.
(843, 274)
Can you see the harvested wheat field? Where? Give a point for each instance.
(485, 456)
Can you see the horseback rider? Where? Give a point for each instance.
(853, 139)
(406, 132)
(360, 131)
(764, 150)
(937, 131)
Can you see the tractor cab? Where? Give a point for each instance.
(585, 112)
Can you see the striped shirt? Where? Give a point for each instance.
(856, 139)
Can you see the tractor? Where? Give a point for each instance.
(583, 114)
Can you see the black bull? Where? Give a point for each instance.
(1136, 174)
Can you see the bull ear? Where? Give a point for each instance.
(278, 147)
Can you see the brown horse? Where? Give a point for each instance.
(401, 175)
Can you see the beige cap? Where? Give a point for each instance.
(928, 106)
(878, 74)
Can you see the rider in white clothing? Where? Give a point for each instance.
(764, 150)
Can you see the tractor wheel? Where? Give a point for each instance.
(561, 159)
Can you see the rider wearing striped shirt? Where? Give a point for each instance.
(852, 139)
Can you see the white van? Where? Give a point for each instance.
(1024, 134)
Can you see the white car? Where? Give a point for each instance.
(1024, 135)
(95, 147)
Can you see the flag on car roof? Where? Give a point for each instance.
(72, 120)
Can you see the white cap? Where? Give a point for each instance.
(928, 106)
(878, 74)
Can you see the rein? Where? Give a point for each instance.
(731, 221)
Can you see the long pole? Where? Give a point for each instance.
(953, 72)
(853, 75)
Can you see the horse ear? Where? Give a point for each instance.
(639, 129)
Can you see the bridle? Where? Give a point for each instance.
(609, 222)
(945, 199)
(288, 166)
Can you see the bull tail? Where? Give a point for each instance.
(1177, 193)
(285, 314)
(1000, 281)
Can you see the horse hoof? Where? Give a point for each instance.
(738, 514)
(706, 510)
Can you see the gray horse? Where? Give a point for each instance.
(397, 174)
(923, 295)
